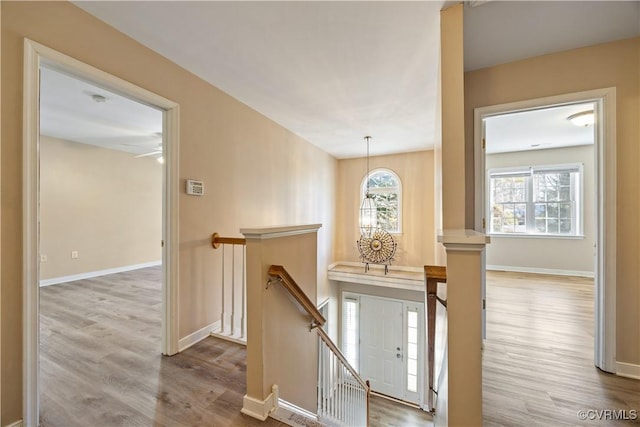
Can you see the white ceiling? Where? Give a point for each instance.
(537, 129)
(68, 111)
(335, 71)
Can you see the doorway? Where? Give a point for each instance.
(37, 56)
(603, 101)
(383, 339)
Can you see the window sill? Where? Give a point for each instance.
(539, 236)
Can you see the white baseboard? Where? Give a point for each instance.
(92, 274)
(197, 336)
(260, 409)
(552, 271)
(18, 423)
(293, 415)
(628, 370)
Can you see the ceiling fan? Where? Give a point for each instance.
(153, 152)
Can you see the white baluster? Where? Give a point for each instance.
(222, 299)
(244, 288)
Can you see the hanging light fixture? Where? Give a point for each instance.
(368, 209)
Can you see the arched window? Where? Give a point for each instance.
(386, 189)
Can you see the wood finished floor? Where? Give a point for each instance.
(100, 364)
(538, 356)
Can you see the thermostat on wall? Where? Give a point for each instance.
(195, 188)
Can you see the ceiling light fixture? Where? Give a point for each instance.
(583, 118)
(160, 159)
(98, 98)
(368, 209)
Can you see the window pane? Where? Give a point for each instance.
(384, 188)
(412, 351)
(565, 210)
(552, 200)
(412, 383)
(565, 226)
(382, 179)
(412, 368)
(412, 319)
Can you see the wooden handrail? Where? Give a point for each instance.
(433, 275)
(295, 291)
(284, 278)
(329, 342)
(216, 240)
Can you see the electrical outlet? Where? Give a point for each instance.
(74, 254)
(43, 258)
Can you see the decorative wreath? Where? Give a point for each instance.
(377, 249)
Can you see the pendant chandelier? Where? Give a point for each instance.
(376, 245)
(368, 210)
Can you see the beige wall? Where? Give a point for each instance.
(573, 255)
(452, 104)
(415, 170)
(255, 171)
(613, 64)
(105, 204)
(281, 349)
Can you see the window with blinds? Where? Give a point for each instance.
(536, 200)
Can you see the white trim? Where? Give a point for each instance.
(91, 274)
(605, 166)
(235, 337)
(36, 55)
(30, 261)
(537, 236)
(260, 409)
(535, 270)
(385, 281)
(18, 423)
(262, 233)
(628, 370)
(290, 414)
(377, 266)
(463, 237)
(197, 336)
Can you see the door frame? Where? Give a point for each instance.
(35, 55)
(422, 374)
(605, 170)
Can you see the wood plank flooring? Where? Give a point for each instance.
(100, 364)
(100, 361)
(538, 356)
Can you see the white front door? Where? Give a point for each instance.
(381, 345)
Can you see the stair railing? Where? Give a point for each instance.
(343, 396)
(434, 275)
(232, 324)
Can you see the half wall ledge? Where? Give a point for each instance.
(272, 232)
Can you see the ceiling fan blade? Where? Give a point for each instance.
(149, 154)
